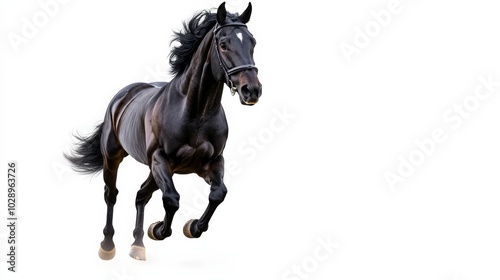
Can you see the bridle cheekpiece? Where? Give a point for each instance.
(230, 71)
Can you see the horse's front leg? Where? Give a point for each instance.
(163, 178)
(194, 228)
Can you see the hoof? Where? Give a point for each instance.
(187, 229)
(138, 252)
(155, 226)
(151, 230)
(106, 255)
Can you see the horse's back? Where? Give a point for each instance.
(127, 112)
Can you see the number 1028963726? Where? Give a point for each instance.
(11, 188)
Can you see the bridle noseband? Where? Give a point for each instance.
(230, 71)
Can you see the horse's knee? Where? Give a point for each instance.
(217, 194)
(171, 202)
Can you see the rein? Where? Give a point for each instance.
(230, 71)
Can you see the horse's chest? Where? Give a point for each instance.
(193, 149)
(189, 159)
(202, 152)
(192, 145)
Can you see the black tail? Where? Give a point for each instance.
(87, 158)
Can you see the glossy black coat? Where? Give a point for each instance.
(176, 127)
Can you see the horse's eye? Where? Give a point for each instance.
(223, 46)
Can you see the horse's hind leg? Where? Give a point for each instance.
(107, 249)
(138, 251)
(112, 156)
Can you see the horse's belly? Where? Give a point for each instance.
(132, 138)
(131, 126)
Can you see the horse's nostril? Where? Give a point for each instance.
(245, 90)
(248, 90)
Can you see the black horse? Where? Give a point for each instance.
(176, 127)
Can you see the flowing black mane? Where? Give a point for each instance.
(173, 128)
(190, 38)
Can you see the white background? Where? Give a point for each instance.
(327, 131)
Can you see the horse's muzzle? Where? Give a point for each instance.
(250, 94)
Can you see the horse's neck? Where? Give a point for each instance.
(203, 92)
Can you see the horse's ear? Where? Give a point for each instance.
(245, 17)
(221, 13)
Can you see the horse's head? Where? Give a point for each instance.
(233, 55)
